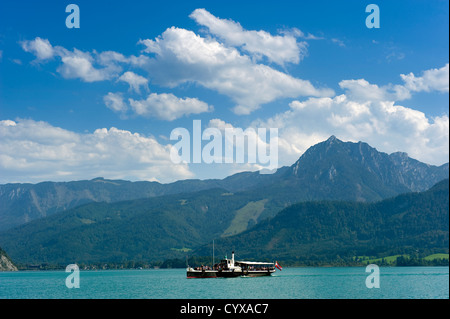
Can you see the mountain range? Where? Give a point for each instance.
(114, 220)
(324, 231)
(329, 170)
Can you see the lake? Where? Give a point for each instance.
(290, 283)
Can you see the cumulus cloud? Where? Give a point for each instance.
(362, 90)
(181, 56)
(168, 107)
(79, 65)
(135, 81)
(229, 60)
(249, 149)
(34, 151)
(431, 80)
(382, 124)
(41, 48)
(115, 102)
(76, 64)
(278, 49)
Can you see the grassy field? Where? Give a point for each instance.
(243, 216)
(370, 260)
(437, 256)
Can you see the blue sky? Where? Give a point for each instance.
(103, 99)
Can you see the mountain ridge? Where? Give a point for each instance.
(313, 232)
(332, 169)
(170, 226)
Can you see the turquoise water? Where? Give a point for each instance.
(291, 283)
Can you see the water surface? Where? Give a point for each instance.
(290, 283)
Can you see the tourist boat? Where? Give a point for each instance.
(228, 268)
(201, 272)
(256, 269)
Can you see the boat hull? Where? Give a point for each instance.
(258, 273)
(229, 274)
(201, 274)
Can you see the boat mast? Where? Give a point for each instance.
(232, 258)
(213, 255)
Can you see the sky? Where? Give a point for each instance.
(102, 100)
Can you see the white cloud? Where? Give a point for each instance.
(76, 64)
(257, 151)
(35, 151)
(431, 80)
(168, 107)
(278, 49)
(382, 124)
(41, 48)
(107, 58)
(295, 32)
(181, 56)
(366, 111)
(361, 90)
(115, 102)
(135, 81)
